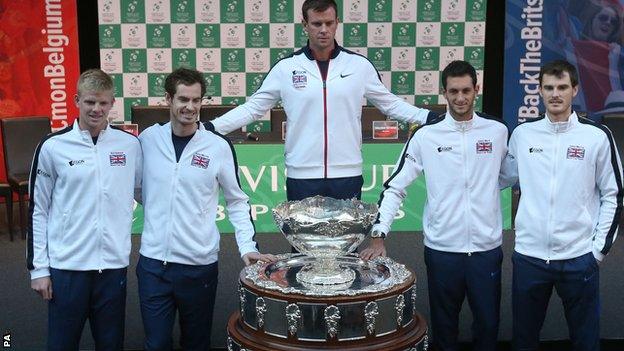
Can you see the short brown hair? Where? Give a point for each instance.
(557, 68)
(186, 76)
(317, 5)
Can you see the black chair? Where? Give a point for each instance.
(615, 122)
(21, 136)
(7, 193)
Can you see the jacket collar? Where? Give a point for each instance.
(308, 52)
(460, 126)
(561, 127)
(85, 135)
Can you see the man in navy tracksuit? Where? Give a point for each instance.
(570, 176)
(321, 88)
(81, 200)
(185, 166)
(461, 154)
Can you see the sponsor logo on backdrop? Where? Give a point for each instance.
(475, 34)
(254, 80)
(156, 84)
(475, 55)
(428, 11)
(257, 60)
(233, 60)
(110, 60)
(380, 57)
(213, 84)
(208, 35)
(301, 37)
(281, 11)
(135, 60)
(207, 11)
(427, 83)
(133, 35)
(355, 10)
(110, 36)
(427, 59)
(257, 11)
(402, 83)
(117, 84)
(281, 35)
(183, 11)
(157, 11)
(233, 84)
(232, 35)
(453, 10)
(128, 103)
(403, 34)
(452, 34)
(183, 35)
(183, 58)
(135, 85)
(158, 35)
(278, 54)
(158, 60)
(405, 11)
(379, 11)
(475, 10)
(132, 11)
(428, 34)
(425, 99)
(257, 35)
(380, 34)
(208, 60)
(109, 11)
(448, 54)
(355, 34)
(232, 11)
(403, 59)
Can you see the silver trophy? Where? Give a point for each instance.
(326, 295)
(325, 229)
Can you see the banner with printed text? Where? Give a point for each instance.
(39, 61)
(262, 176)
(234, 43)
(587, 33)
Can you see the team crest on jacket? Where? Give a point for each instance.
(117, 158)
(484, 147)
(299, 79)
(575, 152)
(200, 160)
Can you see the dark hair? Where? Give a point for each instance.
(556, 68)
(588, 30)
(317, 5)
(186, 76)
(459, 68)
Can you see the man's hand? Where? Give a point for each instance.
(43, 287)
(376, 248)
(253, 257)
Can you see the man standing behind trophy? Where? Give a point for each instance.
(461, 154)
(185, 166)
(568, 216)
(81, 194)
(321, 88)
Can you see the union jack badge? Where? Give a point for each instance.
(576, 152)
(200, 160)
(484, 147)
(299, 79)
(117, 158)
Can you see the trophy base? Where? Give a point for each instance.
(330, 276)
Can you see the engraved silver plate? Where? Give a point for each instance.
(379, 274)
(242, 299)
(399, 305)
(332, 317)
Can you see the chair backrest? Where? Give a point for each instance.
(21, 135)
(615, 122)
(147, 116)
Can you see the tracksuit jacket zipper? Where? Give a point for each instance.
(325, 137)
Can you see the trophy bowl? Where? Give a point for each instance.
(325, 228)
